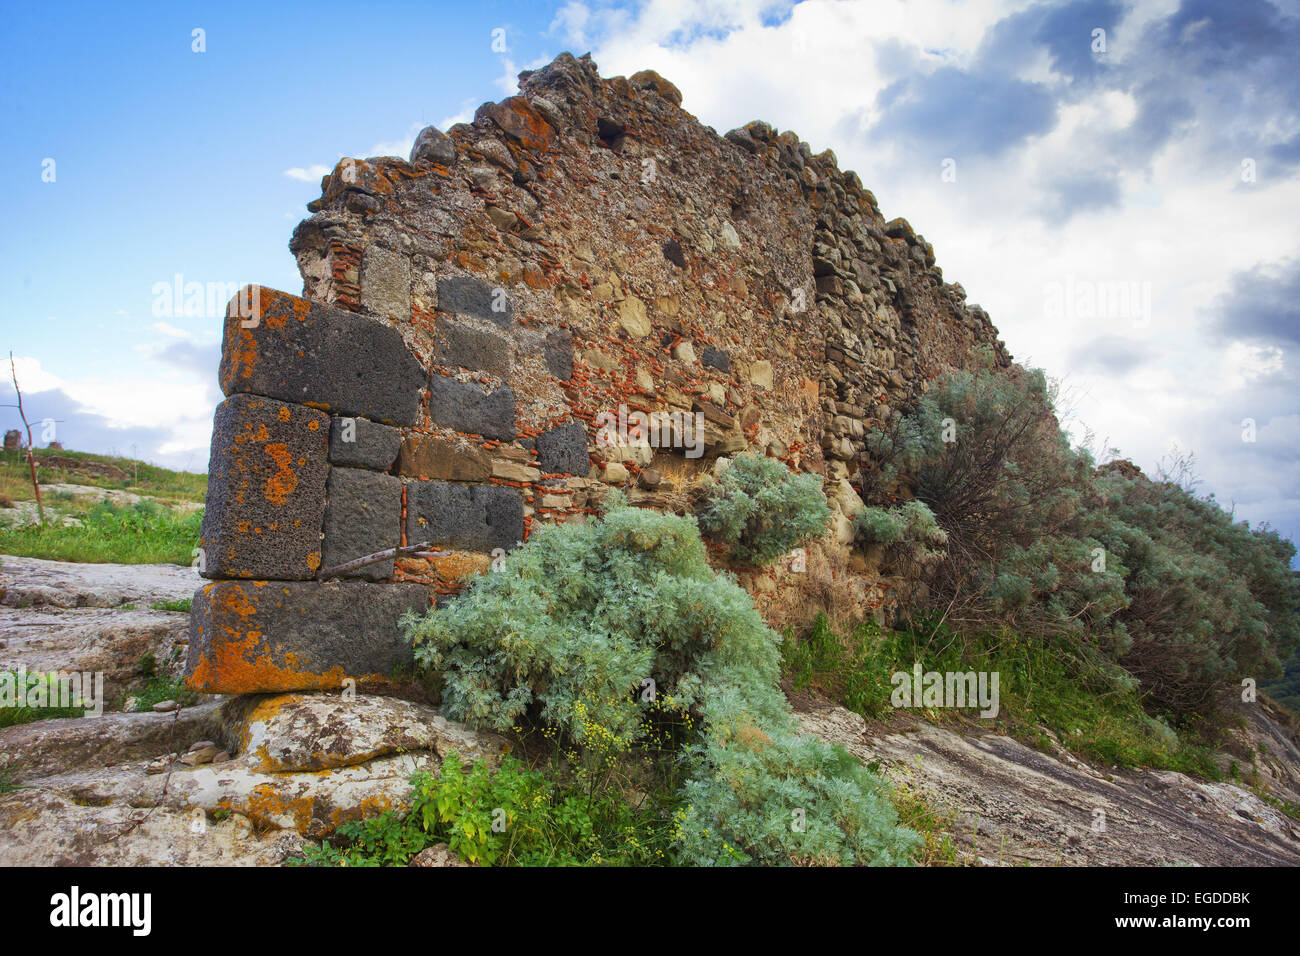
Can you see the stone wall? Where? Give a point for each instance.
(468, 316)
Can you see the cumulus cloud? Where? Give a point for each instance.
(1263, 304)
(161, 412)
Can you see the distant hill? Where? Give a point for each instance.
(57, 466)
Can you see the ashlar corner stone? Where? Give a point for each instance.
(363, 514)
(266, 490)
(300, 351)
(269, 636)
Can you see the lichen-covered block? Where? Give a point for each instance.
(361, 443)
(469, 407)
(301, 351)
(363, 514)
(462, 295)
(563, 450)
(462, 345)
(475, 517)
(267, 636)
(266, 490)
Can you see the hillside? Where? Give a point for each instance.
(98, 508)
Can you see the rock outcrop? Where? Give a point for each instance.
(1012, 805)
(228, 781)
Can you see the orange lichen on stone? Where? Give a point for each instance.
(243, 356)
(240, 663)
(458, 566)
(276, 318)
(281, 484)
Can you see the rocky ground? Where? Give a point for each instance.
(230, 781)
(1013, 805)
(247, 780)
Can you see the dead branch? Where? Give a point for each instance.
(31, 462)
(411, 550)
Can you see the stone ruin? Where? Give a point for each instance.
(469, 317)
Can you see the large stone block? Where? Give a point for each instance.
(563, 450)
(265, 636)
(426, 456)
(386, 283)
(462, 345)
(363, 514)
(301, 351)
(266, 490)
(462, 295)
(468, 407)
(361, 443)
(474, 518)
(558, 353)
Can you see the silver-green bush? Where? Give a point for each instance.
(578, 621)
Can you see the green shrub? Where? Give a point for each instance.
(510, 816)
(912, 538)
(1210, 600)
(761, 510)
(765, 794)
(1043, 543)
(877, 526)
(581, 619)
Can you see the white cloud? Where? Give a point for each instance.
(32, 376)
(400, 147)
(311, 174)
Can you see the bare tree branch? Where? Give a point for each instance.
(410, 550)
(31, 462)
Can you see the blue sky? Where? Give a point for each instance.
(170, 161)
(1075, 169)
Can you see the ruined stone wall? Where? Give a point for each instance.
(467, 318)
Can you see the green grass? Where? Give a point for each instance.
(144, 533)
(9, 779)
(79, 468)
(513, 816)
(11, 716)
(1093, 713)
(161, 688)
(183, 605)
(934, 826)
